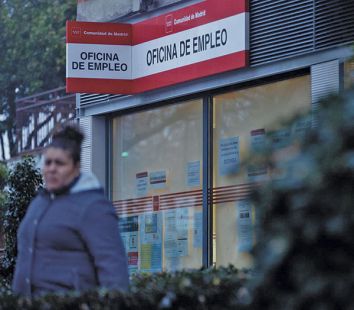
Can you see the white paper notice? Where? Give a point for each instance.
(172, 263)
(281, 138)
(150, 242)
(197, 229)
(193, 173)
(176, 232)
(301, 127)
(129, 229)
(258, 140)
(141, 184)
(182, 217)
(244, 226)
(229, 155)
(170, 241)
(257, 172)
(150, 224)
(158, 179)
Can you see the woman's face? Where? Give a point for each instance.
(58, 169)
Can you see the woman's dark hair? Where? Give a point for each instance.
(68, 138)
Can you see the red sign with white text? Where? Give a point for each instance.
(197, 41)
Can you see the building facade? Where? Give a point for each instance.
(171, 158)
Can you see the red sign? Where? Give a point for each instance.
(156, 203)
(199, 40)
(133, 258)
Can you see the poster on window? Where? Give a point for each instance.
(197, 229)
(151, 224)
(244, 226)
(129, 228)
(301, 127)
(170, 233)
(281, 138)
(173, 263)
(151, 258)
(151, 242)
(182, 223)
(176, 224)
(229, 156)
(158, 179)
(142, 183)
(257, 171)
(172, 259)
(193, 174)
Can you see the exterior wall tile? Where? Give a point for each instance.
(105, 10)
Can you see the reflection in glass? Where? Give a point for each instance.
(242, 119)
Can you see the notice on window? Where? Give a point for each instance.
(198, 229)
(301, 127)
(151, 225)
(229, 156)
(258, 140)
(281, 138)
(257, 171)
(193, 174)
(170, 240)
(244, 226)
(158, 179)
(176, 239)
(182, 223)
(151, 242)
(151, 258)
(170, 247)
(172, 263)
(142, 184)
(129, 228)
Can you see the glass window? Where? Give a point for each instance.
(1, 239)
(157, 186)
(1, 232)
(241, 120)
(349, 74)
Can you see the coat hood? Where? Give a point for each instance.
(87, 181)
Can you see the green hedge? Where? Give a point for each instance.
(305, 250)
(222, 288)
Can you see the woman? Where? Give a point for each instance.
(69, 237)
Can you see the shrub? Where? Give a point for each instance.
(221, 288)
(23, 182)
(3, 180)
(305, 250)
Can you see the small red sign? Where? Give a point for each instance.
(133, 258)
(156, 203)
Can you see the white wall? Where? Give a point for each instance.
(109, 10)
(105, 10)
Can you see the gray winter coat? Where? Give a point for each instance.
(70, 242)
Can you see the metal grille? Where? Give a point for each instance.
(324, 81)
(96, 98)
(279, 29)
(334, 22)
(86, 152)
